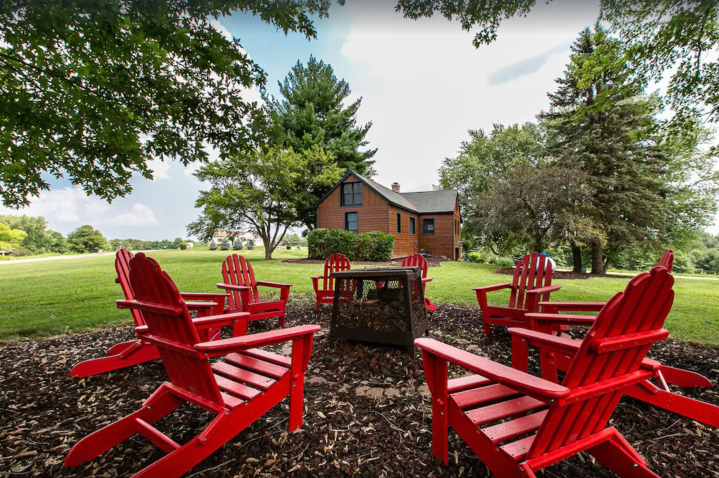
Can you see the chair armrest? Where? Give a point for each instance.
(572, 306)
(427, 279)
(317, 277)
(225, 346)
(538, 339)
(207, 322)
(274, 284)
(149, 307)
(563, 319)
(200, 305)
(507, 376)
(492, 288)
(211, 296)
(232, 287)
(544, 290)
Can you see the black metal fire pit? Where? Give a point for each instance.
(383, 306)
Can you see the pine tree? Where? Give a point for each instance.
(620, 145)
(313, 113)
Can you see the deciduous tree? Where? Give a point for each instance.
(92, 90)
(86, 239)
(262, 190)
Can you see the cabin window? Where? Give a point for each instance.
(411, 225)
(352, 194)
(352, 221)
(399, 223)
(428, 227)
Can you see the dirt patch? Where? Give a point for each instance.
(431, 262)
(367, 412)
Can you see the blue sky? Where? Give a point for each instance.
(423, 86)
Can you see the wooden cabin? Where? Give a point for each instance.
(427, 220)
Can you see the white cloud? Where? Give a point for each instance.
(159, 169)
(139, 215)
(65, 209)
(424, 84)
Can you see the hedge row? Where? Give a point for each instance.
(367, 246)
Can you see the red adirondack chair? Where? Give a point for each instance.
(659, 395)
(324, 285)
(531, 283)
(239, 281)
(418, 260)
(137, 351)
(237, 390)
(518, 424)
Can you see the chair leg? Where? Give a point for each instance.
(485, 327)
(97, 443)
(317, 305)
(239, 328)
(297, 385)
(619, 456)
(282, 320)
(135, 354)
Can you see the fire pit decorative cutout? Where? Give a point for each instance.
(383, 306)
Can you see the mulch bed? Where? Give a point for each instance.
(367, 412)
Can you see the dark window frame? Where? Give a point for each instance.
(425, 229)
(412, 226)
(357, 194)
(347, 221)
(399, 223)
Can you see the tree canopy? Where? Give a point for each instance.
(86, 239)
(262, 190)
(92, 90)
(10, 238)
(313, 113)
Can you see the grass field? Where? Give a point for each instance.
(53, 297)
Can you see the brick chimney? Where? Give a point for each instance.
(395, 187)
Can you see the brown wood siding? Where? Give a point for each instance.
(405, 244)
(376, 214)
(372, 214)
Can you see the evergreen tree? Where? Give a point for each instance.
(638, 181)
(313, 113)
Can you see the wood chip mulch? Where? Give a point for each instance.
(367, 412)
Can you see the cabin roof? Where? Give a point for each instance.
(423, 202)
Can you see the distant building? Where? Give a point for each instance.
(428, 220)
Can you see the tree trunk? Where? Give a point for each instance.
(597, 259)
(577, 258)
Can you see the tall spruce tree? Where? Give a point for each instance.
(627, 155)
(312, 113)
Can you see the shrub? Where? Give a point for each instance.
(504, 262)
(213, 246)
(368, 246)
(251, 245)
(322, 243)
(225, 245)
(237, 245)
(475, 257)
(379, 246)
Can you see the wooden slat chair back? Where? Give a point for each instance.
(419, 261)
(238, 271)
(238, 279)
(518, 424)
(531, 272)
(122, 266)
(614, 347)
(169, 320)
(667, 260)
(324, 285)
(335, 263)
(237, 390)
(531, 283)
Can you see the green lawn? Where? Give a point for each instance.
(51, 297)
